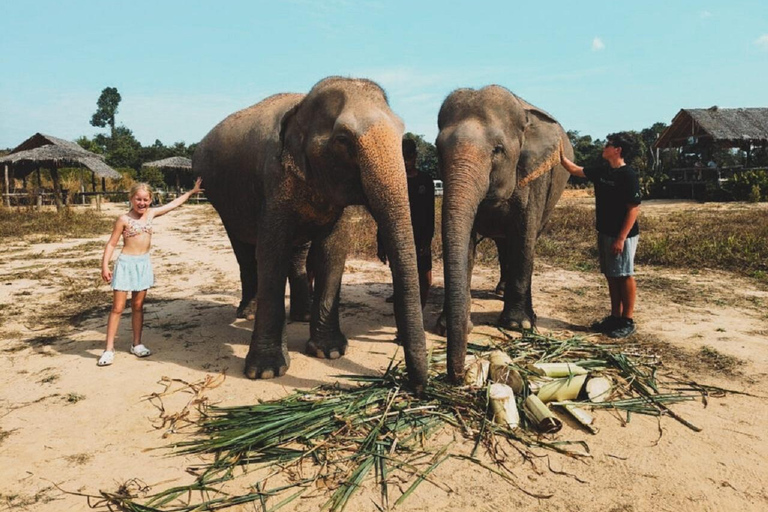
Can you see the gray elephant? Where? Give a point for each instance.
(280, 174)
(499, 157)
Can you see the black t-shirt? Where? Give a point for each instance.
(614, 189)
(421, 196)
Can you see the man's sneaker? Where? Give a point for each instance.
(606, 325)
(626, 328)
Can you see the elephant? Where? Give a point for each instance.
(500, 161)
(280, 174)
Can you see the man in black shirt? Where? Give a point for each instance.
(617, 204)
(421, 197)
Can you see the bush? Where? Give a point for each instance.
(748, 186)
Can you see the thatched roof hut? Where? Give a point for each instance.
(51, 153)
(725, 127)
(174, 162)
(178, 164)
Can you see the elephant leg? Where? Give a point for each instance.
(329, 255)
(441, 327)
(299, 284)
(518, 310)
(268, 354)
(501, 247)
(245, 254)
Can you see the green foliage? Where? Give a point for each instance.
(747, 186)
(426, 161)
(153, 176)
(107, 108)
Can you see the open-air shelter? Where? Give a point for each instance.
(703, 130)
(52, 153)
(178, 164)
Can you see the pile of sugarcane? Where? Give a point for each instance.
(330, 440)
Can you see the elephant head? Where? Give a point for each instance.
(343, 140)
(491, 146)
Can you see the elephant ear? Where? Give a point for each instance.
(542, 145)
(292, 155)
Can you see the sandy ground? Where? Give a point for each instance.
(66, 423)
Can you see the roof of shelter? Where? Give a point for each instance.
(725, 126)
(46, 150)
(174, 162)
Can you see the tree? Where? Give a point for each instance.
(107, 109)
(426, 161)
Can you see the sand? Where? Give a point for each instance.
(66, 424)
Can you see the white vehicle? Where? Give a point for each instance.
(438, 187)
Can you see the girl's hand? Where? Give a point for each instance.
(106, 275)
(197, 188)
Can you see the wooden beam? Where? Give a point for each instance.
(7, 188)
(56, 188)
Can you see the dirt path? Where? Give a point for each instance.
(63, 420)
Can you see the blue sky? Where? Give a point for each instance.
(181, 67)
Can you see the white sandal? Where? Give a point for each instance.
(107, 358)
(140, 350)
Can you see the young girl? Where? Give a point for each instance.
(133, 269)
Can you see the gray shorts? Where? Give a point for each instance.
(621, 265)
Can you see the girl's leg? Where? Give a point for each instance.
(118, 305)
(137, 315)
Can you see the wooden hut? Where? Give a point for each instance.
(707, 129)
(46, 151)
(177, 164)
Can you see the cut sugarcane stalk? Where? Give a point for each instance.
(501, 372)
(580, 415)
(503, 405)
(540, 415)
(599, 388)
(476, 372)
(561, 389)
(557, 369)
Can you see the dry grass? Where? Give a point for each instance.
(18, 223)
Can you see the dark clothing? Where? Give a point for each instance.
(421, 196)
(421, 199)
(614, 189)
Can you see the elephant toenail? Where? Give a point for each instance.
(334, 354)
(268, 374)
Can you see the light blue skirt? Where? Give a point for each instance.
(132, 273)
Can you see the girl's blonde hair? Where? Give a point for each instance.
(140, 186)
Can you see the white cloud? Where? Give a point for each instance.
(597, 44)
(762, 42)
(705, 14)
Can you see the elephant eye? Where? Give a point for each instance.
(498, 149)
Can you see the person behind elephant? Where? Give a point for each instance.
(133, 268)
(421, 198)
(617, 204)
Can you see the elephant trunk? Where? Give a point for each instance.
(382, 172)
(465, 186)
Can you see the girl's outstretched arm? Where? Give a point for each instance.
(109, 249)
(162, 210)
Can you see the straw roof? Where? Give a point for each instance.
(48, 151)
(174, 162)
(729, 127)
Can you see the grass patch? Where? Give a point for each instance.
(719, 361)
(19, 222)
(79, 459)
(73, 398)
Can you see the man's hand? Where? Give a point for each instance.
(617, 247)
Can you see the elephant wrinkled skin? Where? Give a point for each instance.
(280, 174)
(500, 163)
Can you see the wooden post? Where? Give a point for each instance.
(56, 188)
(39, 189)
(7, 188)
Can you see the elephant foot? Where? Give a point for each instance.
(332, 347)
(441, 328)
(247, 310)
(260, 365)
(500, 287)
(516, 320)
